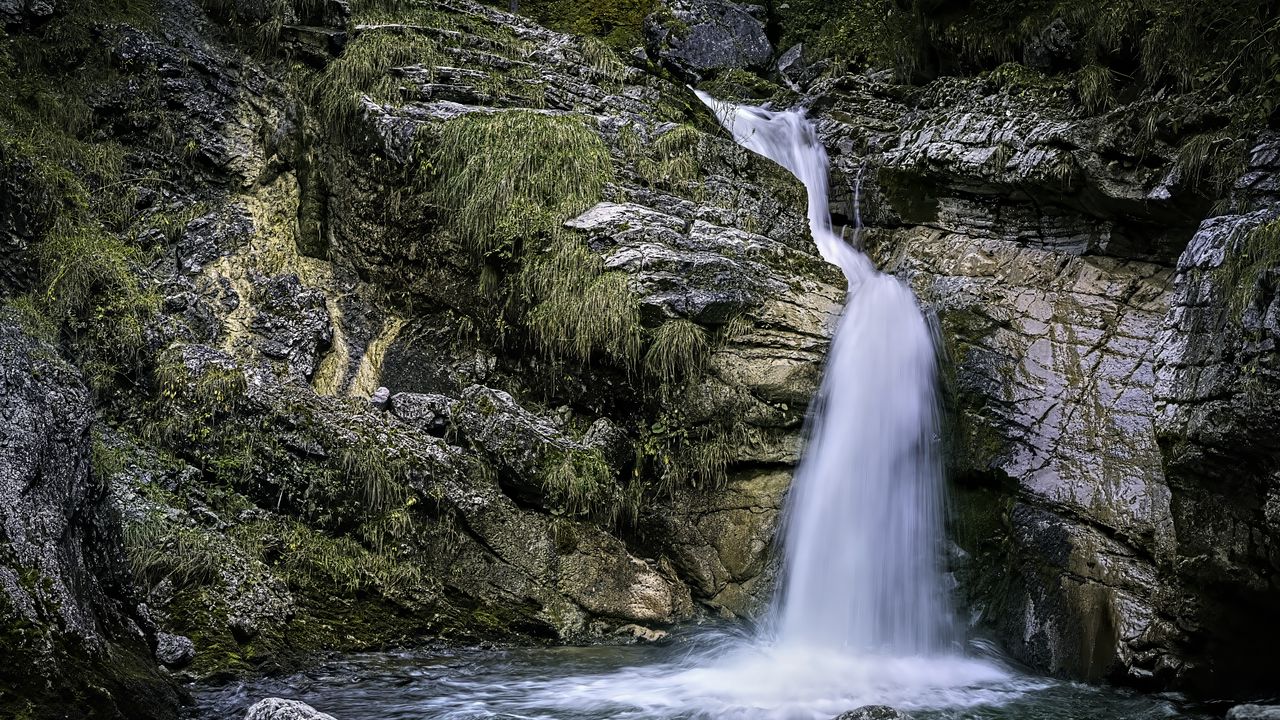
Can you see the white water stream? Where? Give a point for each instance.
(862, 570)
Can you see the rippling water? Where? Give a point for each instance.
(705, 675)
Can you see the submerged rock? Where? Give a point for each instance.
(873, 712)
(1254, 712)
(281, 709)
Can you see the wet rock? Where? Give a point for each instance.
(874, 712)
(64, 597)
(212, 236)
(429, 411)
(291, 322)
(174, 651)
(694, 37)
(1254, 712)
(281, 709)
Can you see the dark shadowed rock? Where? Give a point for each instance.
(695, 37)
(71, 636)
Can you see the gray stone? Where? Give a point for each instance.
(174, 651)
(291, 322)
(380, 397)
(694, 37)
(281, 709)
(1254, 712)
(874, 712)
(63, 583)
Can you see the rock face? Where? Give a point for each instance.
(696, 37)
(1101, 407)
(64, 598)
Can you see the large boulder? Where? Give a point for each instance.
(69, 632)
(281, 709)
(697, 37)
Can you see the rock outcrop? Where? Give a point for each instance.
(67, 608)
(1096, 379)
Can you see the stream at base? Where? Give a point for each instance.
(699, 675)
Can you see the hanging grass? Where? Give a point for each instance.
(514, 175)
(1246, 260)
(365, 70)
(678, 350)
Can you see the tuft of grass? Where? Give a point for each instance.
(1247, 262)
(678, 350)
(378, 480)
(511, 175)
(1095, 85)
(1211, 162)
(582, 483)
(159, 550)
(365, 70)
(580, 309)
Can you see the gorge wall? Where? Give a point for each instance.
(407, 321)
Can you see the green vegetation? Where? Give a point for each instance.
(678, 350)
(1246, 263)
(364, 69)
(514, 176)
(582, 483)
(1219, 51)
(618, 23)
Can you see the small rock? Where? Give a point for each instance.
(380, 397)
(642, 634)
(281, 709)
(1254, 712)
(874, 712)
(174, 651)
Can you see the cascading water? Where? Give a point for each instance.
(863, 522)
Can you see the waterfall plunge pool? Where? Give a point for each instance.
(699, 675)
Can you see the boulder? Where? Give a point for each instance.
(1254, 712)
(281, 709)
(697, 37)
(174, 651)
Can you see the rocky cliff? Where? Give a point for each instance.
(409, 321)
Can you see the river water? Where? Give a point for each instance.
(700, 675)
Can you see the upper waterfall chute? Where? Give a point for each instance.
(790, 139)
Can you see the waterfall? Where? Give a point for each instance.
(863, 523)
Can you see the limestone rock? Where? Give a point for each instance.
(63, 593)
(697, 36)
(291, 322)
(174, 651)
(281, 709)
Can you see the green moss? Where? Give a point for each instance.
(618, 23)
